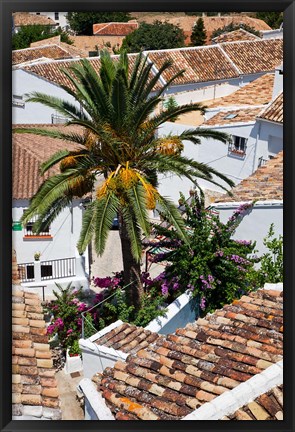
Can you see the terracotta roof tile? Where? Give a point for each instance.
(201, 64)
(114, 28)
(266, 183)
(257, 92)
(268, 406)
(52, 70)
(177, 373)
(29, 389)
(255, 56)
(274, 112)
(55, 40)
(242, 115)
(236, 35)
(127, 338)
(49, 51)
(28, 155)
(26, 18)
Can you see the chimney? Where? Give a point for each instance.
(278, 82)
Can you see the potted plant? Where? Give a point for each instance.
(37, 256)
(73, 358)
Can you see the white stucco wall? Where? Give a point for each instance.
(61, 21)
(221, 86)
(256, 222)
(24, 82)
(213, 153)
(268, 140)
(65, 232)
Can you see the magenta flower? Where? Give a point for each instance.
(69, 331)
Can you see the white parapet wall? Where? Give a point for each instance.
(179, 313)
(97, 357)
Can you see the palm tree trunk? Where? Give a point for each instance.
(131, 268)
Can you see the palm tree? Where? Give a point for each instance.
(118, 144)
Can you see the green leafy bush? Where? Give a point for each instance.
(154, 36)
(33, 33)
(271, 269)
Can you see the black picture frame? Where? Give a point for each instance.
(7, 7)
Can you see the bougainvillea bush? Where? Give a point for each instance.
(213, 266)
(66, 311)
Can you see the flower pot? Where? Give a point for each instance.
(73, 363)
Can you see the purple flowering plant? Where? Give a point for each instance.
(65, 312)
(214, 266)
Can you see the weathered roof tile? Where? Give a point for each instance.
(30, 354)
(266, 181)
(177, 373)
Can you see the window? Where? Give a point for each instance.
(230, 116)
(239, 143)
(17, 101)
(238, 146)
(30, 233)
(56, 16)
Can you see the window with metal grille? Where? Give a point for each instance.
(28, 228)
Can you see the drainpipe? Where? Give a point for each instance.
(255, 150)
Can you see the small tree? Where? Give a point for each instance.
(154, 36)
(169, 105)
(273, 19)
(232, 27)
(198, 36)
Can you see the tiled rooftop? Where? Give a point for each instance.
(127, 338)
(236, 35)
(243, 115)
(180, 372)
(257, 92)
(34, 387)
(26, 18)
(114, 28)
(266, 183)
(255, 56)
(201, 64)
(274, 112)
(55, 40)
(28, 153)
(49, 51)
(52, 70)
(268, 406)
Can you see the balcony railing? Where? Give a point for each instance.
(56, 119)
(50, 269)
(26, 272)
(58, 269)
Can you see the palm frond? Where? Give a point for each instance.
(133, 231)
(173, 216)
(138, 201)
(88, 224)
(106, 211)
(62, 106)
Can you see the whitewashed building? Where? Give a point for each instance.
(59, 260)
(210, 72)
